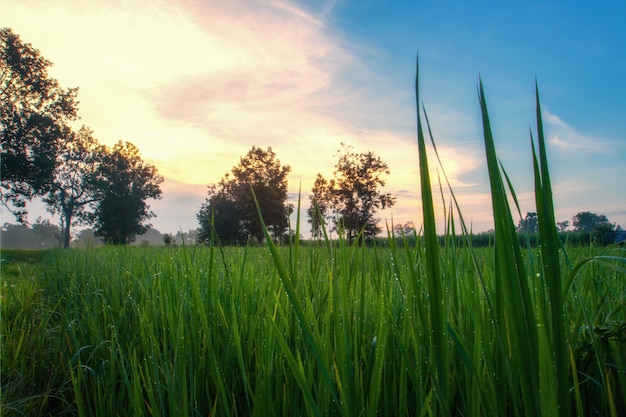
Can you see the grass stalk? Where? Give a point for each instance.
(515, 310)
(438, 341)
(551, 272)
(288, 285)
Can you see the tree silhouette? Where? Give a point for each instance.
(319, 206)
(220, 215)
(563, 226)
(586, 221)
(123, 183)
(72, 187)
(529, 224)
(597, 225)
(33, 115)
(353, 192)
(231, 206)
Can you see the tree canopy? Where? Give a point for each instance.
(123, 182)
(42, 156)
(220, 215)
(73, 187)
(318, 209)
(353, 193)
(586, 221)
(529, 224)
(34, 111)
(595, 224)
(230, 209)
(40, 235)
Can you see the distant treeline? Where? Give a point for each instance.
(45, 235)
(574, 238)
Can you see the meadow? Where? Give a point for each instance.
(203, 331)
(428, 326)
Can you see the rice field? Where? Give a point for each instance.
(199, 331)
(414, 327)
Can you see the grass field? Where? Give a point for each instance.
(329, 329)
(192, 331)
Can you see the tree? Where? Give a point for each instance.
(231, 208)
(86, 238)
(586, 221)
(407, 229)
(33, 115)
(41, 235)
(529, 224)
(220, 215)
(72, 187)
(597, 225)
(605, 233)
(123, 182)
(168, 239)
(149, 237)
(353, 192)
(563, 226)
(319, 208)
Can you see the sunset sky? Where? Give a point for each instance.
(194, 84)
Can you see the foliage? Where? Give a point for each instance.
(34, 110)
(529, 224)
(596, 225)
(230, 210)
(22, 255)
(168, 239)
(86, 238)
(586, 221)
(40, 235)
(605, 233)
(123, 182)
(353, 193)
(407, 229)
(220, 215)
(116, 328)
(73, 186)
(318, 210)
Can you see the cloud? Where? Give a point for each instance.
(194, 84)
(565, 138)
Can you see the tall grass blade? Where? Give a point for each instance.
(464, 229)
(551, 264)
(514, 305)
(297, 307)
(438, 342)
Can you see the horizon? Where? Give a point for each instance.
(194, 86)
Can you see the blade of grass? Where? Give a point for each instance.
(514, 301)
(550, 261)
(438, 346)
(297, 307)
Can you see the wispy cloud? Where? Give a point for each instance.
(562, 136)
(195, 83)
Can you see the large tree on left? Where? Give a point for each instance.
(34, 111)
(123, 182)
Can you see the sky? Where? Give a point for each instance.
(194, 84)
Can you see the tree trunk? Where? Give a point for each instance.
(67, 214)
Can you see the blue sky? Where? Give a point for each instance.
(194, 84)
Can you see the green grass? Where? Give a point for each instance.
(170, 331)
(423, 325)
